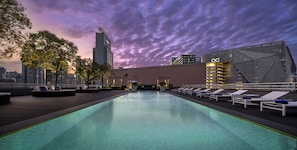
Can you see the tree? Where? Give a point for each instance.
(39, 49)
(13, 22)
(96, 72)
(80, 69)
(88, 70)
(64, 55)
(45, 50)
(106, 72)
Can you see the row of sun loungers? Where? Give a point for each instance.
(267, 101)
(227, 95)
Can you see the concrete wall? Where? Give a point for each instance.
(178, 75)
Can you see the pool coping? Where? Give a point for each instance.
(21, 125)
(281, 128)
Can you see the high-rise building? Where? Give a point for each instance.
(102, 53)
(183, 59)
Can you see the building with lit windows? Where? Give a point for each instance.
(215, 74)
(269, 62)
(102, 53)
(183, 59)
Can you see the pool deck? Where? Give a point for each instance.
(268, 118)
(25, 111)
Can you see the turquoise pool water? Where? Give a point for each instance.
(147, 120)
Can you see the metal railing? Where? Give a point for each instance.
(274, 86)
(6, 85)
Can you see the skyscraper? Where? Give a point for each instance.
(102, 52)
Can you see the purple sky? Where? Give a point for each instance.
(150, 32)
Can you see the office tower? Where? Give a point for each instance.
(102, 52)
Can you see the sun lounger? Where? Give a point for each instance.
(217, 96)
(198, 93)
(185, 91)
(179, 90)
(190, 92)
(278, 105)
(207, 94)
(267, 97)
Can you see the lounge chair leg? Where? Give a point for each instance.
(283, 110)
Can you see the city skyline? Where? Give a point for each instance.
(148, 33)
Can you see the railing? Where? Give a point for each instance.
(5, 85)
(280, 86)
(274, 86)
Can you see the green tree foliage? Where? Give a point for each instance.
(88, 70)
(45, 50)
(38, 50)
(13, 22)
(81, 68)
(107, 72)
(96, 72)
(64, 55)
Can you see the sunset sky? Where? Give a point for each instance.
(150, 32)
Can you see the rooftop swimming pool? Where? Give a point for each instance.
(147, 120)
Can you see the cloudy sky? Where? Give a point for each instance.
(150, 32)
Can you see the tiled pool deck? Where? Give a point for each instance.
(25, 111)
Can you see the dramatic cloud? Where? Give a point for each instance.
(150, 32)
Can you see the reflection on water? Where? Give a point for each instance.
(147, 120)
(96, 125)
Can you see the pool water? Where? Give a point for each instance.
(147, 120)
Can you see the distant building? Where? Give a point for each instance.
(29, 75)
(102, 53)
(172, 60)
(68, 78)
(269, 62)
(183, 59)
(198, 60)
(2, 73)
(175, 75)
(15, 76)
